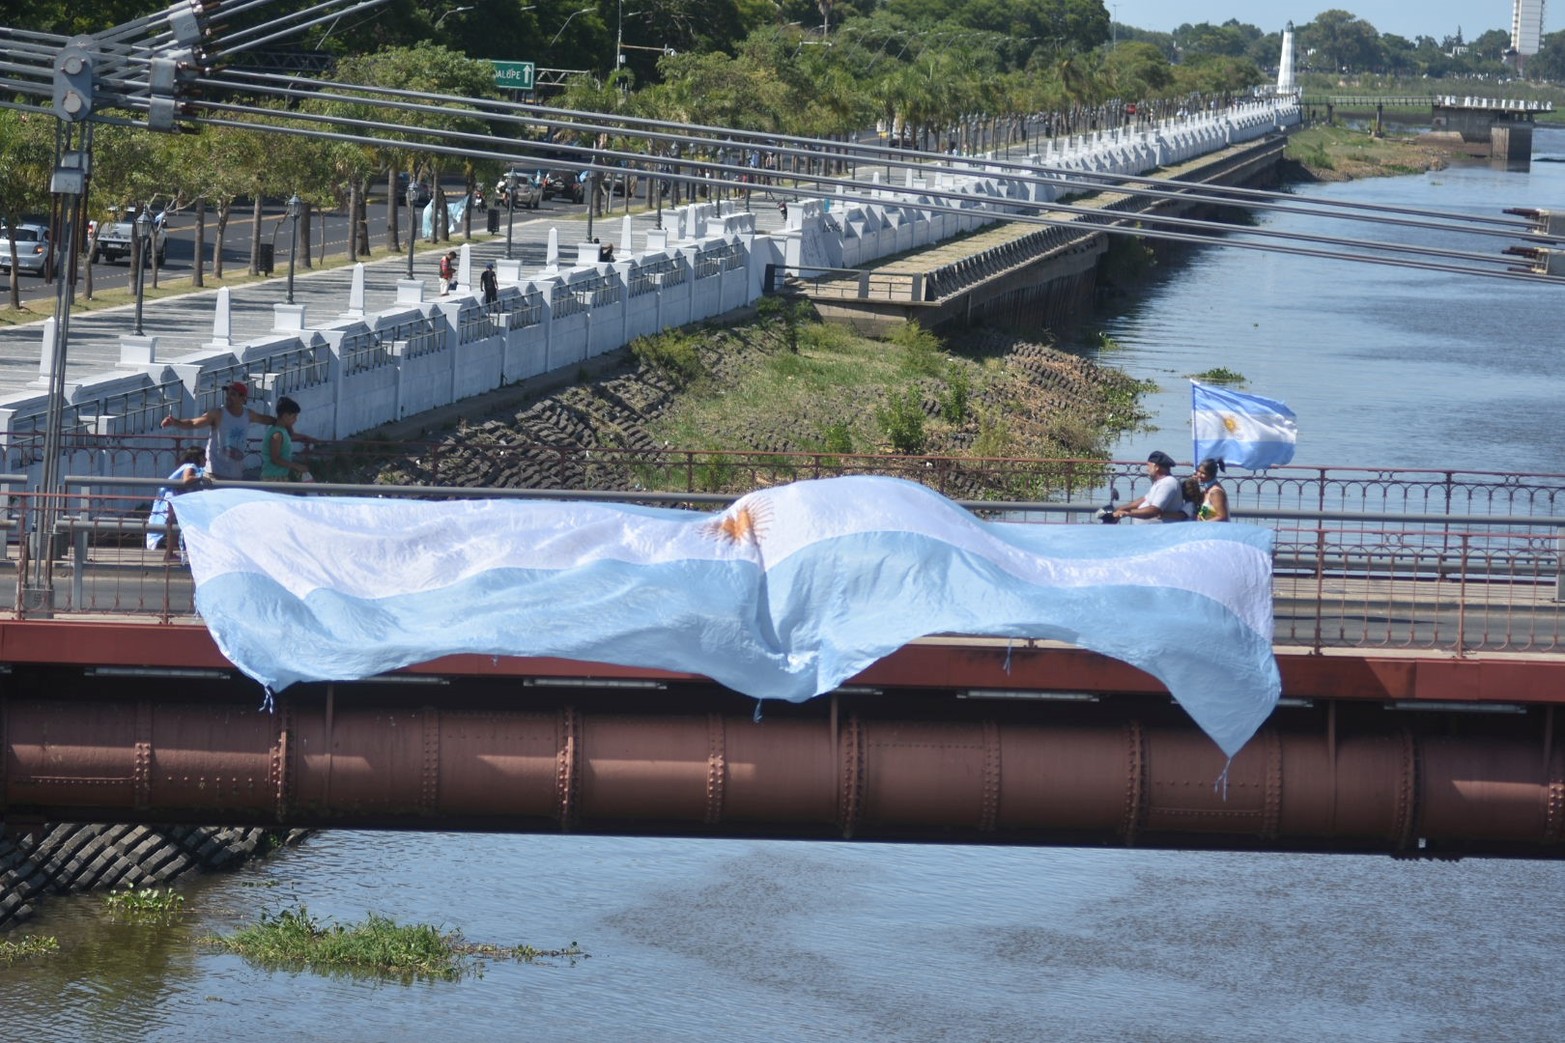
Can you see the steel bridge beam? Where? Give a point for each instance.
(625, 752)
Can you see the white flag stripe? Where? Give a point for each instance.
(337, 543)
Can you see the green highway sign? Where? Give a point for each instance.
(515, 75)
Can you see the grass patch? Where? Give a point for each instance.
(908, 393)
(672, 352)
(293, 938)
(26, 949)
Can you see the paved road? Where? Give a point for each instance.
(237, 239)
(184, 323)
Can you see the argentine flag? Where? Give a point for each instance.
(1245, 430)
(785, 595)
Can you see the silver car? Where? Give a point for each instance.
(34, 251)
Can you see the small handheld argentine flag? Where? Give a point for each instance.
(1244, 430)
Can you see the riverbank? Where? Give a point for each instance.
(785, 382)
(68, 858)
(1328, 153)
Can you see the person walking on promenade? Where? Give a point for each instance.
(447, 272)
(229, 426)
(277, 462)
(1214, 500)
(489, 282)
(1163, 501)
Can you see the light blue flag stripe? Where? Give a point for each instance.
(786, 594)
(1239, 429)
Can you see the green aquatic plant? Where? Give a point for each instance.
(1219, 375)
(27, 949)
(294, 938)
(144, 902)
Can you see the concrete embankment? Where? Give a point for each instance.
(70, 858)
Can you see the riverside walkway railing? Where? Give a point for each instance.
(477, 458)
(1448, 581)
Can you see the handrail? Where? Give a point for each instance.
(1452, 583)
(88, 482)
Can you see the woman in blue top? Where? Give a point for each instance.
(277, 462)
(189, 473)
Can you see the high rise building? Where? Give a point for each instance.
(1526, 26)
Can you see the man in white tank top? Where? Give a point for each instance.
(230, 430)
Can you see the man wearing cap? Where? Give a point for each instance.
(230, 430)
(1163, 501)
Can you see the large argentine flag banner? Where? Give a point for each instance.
(784, 595)
(1245, 430)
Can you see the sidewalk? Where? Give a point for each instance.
(183, 323)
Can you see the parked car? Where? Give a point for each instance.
(34, 250)
(118, 238)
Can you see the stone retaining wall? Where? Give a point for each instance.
(64, 858)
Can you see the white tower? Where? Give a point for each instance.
(1285, 84)
(1526, 26)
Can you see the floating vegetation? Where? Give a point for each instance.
(1106, 342)
(293, 938)
(1220, 375)
(26, 949)
(145, 903)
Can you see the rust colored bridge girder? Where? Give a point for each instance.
(980, 780)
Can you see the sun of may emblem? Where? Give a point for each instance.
(744, 522)
(1230, 424)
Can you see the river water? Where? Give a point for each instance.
(1383, 366)
(704, 940)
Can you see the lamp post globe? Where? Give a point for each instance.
(412, 227)
(143, 234)
(295, 208)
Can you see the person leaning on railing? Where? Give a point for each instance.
(229, 427)
(1164, 501)
(1214, 498)
(277, 462)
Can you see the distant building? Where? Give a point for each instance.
(1526, 26)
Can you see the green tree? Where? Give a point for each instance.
(433, 71)
(1342, 42)
(26, 160)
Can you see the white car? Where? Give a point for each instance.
(34, 249)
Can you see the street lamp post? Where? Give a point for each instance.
(143, 234)
(412, 227)
(510, 209)
(455, 10)
(295, 206)
(556, 37)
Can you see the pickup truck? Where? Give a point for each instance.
(117, 239)
(528, 194)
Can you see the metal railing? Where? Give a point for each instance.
(1449, 583)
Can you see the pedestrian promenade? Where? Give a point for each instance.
(183, 323)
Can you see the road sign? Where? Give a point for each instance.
(515, 75)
